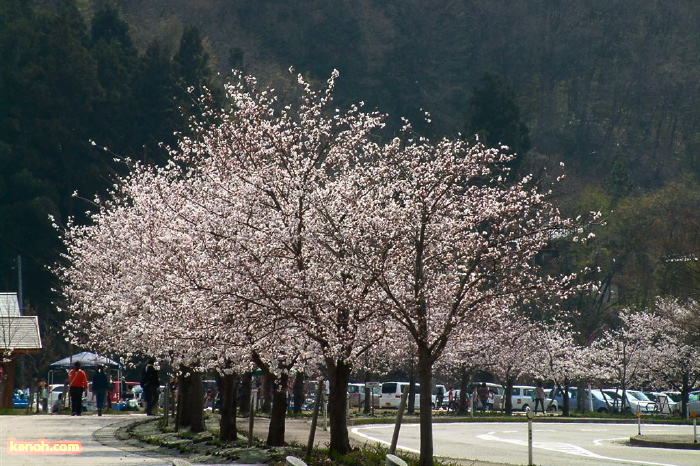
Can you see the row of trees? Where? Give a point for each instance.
(654, 349)
(284, 233)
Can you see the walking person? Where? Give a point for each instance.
(150, 383)
(44, 396)
(539, 397)
(100, 386)
(78, 385)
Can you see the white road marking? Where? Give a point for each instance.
(599, 441)
(356, 431)
(564, 448)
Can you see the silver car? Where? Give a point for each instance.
(635, 401)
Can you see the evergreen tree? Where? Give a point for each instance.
(155, 91)
(116, 58)
(495, 118)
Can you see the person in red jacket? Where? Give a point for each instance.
(78, 384)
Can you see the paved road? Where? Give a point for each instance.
(95, 435)
(493, 443)
(554, 444)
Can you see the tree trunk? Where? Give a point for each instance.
(339, 377)
(275, 434)
(509, 395)
(580, 401)
(184, 399)
(196, 403)
(227, 424)
(463, 385)
(277, 406)
(425, 378)
(566, 409)
(267, 391)
(191, 411)
(411, 403)
(298, 389)
(246, 386)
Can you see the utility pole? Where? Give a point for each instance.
(20, 294)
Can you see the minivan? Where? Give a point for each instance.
(391, 394)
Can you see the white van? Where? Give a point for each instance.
(391, 394)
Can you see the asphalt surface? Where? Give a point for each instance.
(100, 447)
(94, 435)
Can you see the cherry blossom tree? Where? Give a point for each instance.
(559, 358)
(281, 157)
(677, 359)
(515, 345)
(625, 353)
(227, 245)
(445, 242)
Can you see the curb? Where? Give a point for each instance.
(660, 441)
(108, 436)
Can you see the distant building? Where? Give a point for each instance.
(18, 335)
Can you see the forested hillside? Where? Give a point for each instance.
(609, 87)
(597, 80)
(76, 99)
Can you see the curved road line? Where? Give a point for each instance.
(567, 448)
(356, 431)
(559, 447)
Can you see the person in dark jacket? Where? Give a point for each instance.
(100, 386)
(150, 383)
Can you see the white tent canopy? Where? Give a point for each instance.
(87, 360)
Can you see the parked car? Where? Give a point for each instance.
(664, 401)
(675, 396)
(391, 394)
(558, 394)
(356, 394)
(635, 401)
(601, 403)
(523, 397)
(643, 401)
